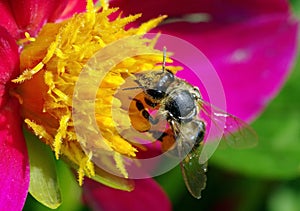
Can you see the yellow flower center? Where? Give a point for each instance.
(50, 67)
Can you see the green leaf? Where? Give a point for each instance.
(71, 191)
(167, 182)
(277, 155)
(43, 179)
(295, 7)
(106, 178)
(284, 198)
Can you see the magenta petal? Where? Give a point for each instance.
(252, 58)
(67, 8)
(222, 11)
(9, 64)
(146, 196)
(7, 20)
(14, 165)
(30, 15)
(251, 43)
(14, 174)
(58, 11)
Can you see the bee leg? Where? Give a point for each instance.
(150, 103)
(167, 138)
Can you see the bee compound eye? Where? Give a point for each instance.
(165, 80)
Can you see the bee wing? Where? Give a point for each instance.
(223, 126)
(194, 172)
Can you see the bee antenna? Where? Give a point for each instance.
(164, 58)
(131, 88)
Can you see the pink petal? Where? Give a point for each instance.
(57, 12)
(7, 20)
(30, 15)
(67, 8)
(223, 11)
(146, 196)
(9, 64)
(14, 174)
(252, 58)
(251, 44)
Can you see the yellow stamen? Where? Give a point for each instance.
(61, 133)
(27, 39)
(38, 130)
(145, 27)
(27, 74)
(104, 4)
(120, 164)
(51, 66)
(85, 163)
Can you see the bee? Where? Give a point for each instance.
(181, 105)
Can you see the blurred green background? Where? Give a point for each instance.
(266, 177)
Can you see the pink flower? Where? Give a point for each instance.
(18, 17)
(14, 160)
(251, 44)
(29, 16)
(147, 196)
